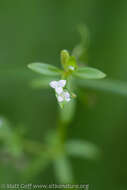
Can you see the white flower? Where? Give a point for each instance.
(61, 94)
(58, 85)
(64, 96)
(60, 99)
(71, 68)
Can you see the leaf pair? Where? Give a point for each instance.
(81, 72)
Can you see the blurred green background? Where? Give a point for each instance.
(36, 31)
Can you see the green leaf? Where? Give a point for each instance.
(109, 86)
(44, 69)
(89, 73)
(63, 170)
(9, 138)
(72, 63)
(82, 149)
(37, 165)
(5, 130)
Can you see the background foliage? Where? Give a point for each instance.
(36, 31)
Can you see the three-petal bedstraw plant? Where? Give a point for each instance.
(63, 82)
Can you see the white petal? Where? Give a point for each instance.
(71, 68)
(67, 95)
(62, 83)
(60, 99)
(59, 90)
(53, 84)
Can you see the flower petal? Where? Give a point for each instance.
(66, 94)
(60, 99)
(71, 68)
(62, 83)
(53, 84)
(59, 90)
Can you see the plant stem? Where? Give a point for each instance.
(62, 131)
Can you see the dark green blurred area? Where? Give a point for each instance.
(33, 31)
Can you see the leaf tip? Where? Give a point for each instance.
(29, 65)
(102, 75)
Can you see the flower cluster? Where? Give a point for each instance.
(61, 93)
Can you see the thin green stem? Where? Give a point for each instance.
(62, 131)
